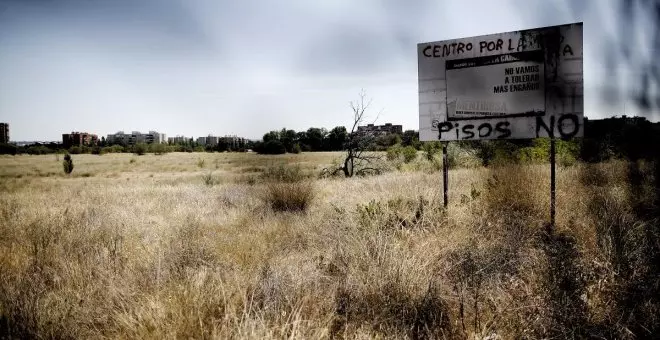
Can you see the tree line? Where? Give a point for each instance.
(616, 137)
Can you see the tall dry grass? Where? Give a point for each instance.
(148, 250)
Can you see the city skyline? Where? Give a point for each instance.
(252, 67)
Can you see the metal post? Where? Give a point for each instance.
(445, 174)
(552, 183)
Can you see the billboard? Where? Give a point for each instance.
(513, 85)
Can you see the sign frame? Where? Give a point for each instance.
(556, 93)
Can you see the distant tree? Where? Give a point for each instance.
(358, 161)
(383, 142)
(288, 139)
(411, 137)
(8, 149)
(314, 138)
(271, 147)
(336, 139)
(272, 135)
(301, 139)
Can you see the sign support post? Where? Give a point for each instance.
(445, 174)
(552, 183)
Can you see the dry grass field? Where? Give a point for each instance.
(209, 245)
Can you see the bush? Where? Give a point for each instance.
(97, 150)
(208, 179)
(289, 196)
(394, 152)
(296, 148)
(287, 188)
(409, 154)
(139, 149)
(8, 149)
(431, 149)
(201, 163)
(112, 149)
(38, 150)
(159, 148)
(67, 164)
(74, 150)
(284, 173)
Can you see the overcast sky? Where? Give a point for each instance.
(194, 68)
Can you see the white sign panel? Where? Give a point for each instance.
(514, 85)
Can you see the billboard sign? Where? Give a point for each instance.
(513, 85)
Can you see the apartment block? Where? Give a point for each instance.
(136, 137)
(376, 130)
(4, 132)
(76, 138)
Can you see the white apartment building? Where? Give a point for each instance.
(208, 140)
(178, 140)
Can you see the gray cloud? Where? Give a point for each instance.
(198, 67)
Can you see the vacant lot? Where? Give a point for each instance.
(209, 245)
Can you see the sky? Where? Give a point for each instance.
(193, 68)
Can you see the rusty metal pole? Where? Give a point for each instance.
(552, 183)
(445, 173)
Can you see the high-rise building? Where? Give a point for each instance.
(79, 139)
(4, 132)
(136, 137)
(178, 140)
(377, 130)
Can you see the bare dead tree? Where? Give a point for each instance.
(358, 160)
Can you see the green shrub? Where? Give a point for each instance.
(97, 150)
(140, 149)
(74, 150)
(296, 148)
(112, 149)
(394, 152)
(431, 149)
(159, 148)
(409, 154)
(67, 164)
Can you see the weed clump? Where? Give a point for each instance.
(287, 189)
(67, 164)
(208, 179)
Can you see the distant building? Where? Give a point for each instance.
(178, 140)
(212, 140)
(377, 130)
(79, 139)
(208, 140)
(4, 132)
(136, 137)
(234, 142)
